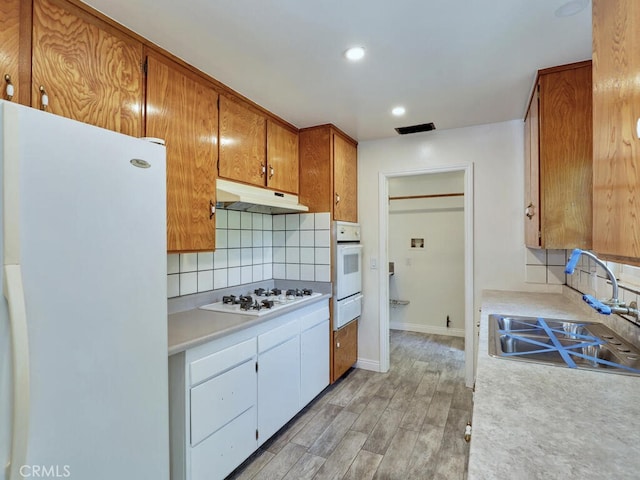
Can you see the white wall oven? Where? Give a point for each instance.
(347, 275)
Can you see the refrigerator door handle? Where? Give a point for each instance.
(14, 293)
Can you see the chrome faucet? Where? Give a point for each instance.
(606, 307)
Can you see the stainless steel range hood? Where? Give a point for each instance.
(247, 198)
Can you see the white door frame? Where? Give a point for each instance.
(383, 254)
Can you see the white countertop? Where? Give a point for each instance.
(533, 421)
(193, 327)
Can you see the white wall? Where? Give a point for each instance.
(429, 276)
(497, 153)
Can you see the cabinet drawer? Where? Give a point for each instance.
(221, 399)
(311, 319)
(223, 451)
(218, 362)
(278, 335)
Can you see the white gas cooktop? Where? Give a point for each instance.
(260, 304)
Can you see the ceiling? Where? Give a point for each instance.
(455, 63)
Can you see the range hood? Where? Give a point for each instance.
(247, 198)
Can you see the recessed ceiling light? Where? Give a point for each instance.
(354, 54)
(398, 111)
(571, 8)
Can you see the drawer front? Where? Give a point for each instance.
(218, 362)
(311, 319)
(346, 310)
(221, 399)
(223, 451)
(278, 335)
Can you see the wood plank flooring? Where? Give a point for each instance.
(405, 424)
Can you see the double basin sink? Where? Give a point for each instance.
(573, 344)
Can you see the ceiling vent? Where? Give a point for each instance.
(425, 127)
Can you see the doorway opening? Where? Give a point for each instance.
(417, 248)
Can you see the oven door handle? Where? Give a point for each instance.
(354, 298)
(349, 246)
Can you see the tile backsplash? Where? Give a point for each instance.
(251, 247)
(545, 266)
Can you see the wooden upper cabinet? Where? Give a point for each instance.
(90, 71)
(282, 158)
(182, 110)
(345, 179)
(10, 47)
(559, 159)
(616, 110)
(243, 137)
(329, 166)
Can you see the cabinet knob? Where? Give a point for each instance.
(44, 98)
(337, 344)
(337, 199)
(271, 171)
(9, 90)
(213, 209)
(263, 169)
(530, 211)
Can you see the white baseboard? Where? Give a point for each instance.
(433, 330)
(366, 364)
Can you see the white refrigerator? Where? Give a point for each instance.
(83, 319)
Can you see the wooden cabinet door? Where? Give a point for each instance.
(282, 158)
(532, 185)
(616, 147)
(316, 165)
(566, 141)
(345, 178)
(182, 110)
(345, 349)
(90, 71)
(243, 138)
(9, 46)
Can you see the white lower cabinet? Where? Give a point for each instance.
(218, 401)
(314, 361)
(222, 452)
(278, 378)
(230, 395)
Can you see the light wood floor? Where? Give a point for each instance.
(406, 424)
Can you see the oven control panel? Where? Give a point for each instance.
(347, 232)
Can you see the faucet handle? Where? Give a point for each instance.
(597, 305)
(573, 261)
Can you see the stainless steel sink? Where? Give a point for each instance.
(573, 344)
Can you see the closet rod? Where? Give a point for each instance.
(410, 197)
